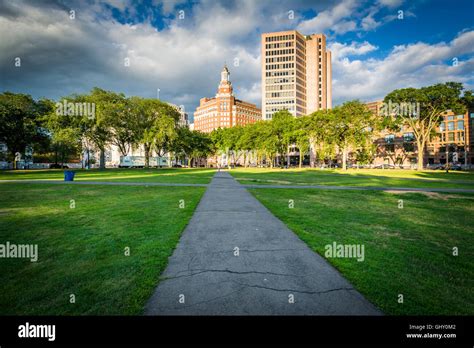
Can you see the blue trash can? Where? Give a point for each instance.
(68, 175)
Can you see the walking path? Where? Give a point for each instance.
(236, 258)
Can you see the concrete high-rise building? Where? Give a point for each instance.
(224, 110)
(296, 73)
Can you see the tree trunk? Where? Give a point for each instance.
(301, 160)
(344, 157)
(420, 154)
(312, 154)
(288, 156)
(102, 159)
(147, 155)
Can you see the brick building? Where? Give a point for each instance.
(224, 110)
(453, 141)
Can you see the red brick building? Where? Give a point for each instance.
(224, 110)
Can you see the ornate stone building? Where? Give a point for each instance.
(224, 110)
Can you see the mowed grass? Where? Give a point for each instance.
(162, 175)
(408, 251)
(355, 177)
(82, 249)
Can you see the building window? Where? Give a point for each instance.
(450, 126)
(450, 136)
(442, 127)
(460, 125)
(389, 138)
(408, 137)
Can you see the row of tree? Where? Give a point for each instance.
(325, 132)
(94, 121)
(347, 129)
(101, 118)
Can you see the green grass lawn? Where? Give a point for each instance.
(82, 249)
(164, 175)
(408, 251)
(354, 177)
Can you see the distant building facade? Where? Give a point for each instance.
(224, 110)
(296, 73)
(183, 118)
(452, 142)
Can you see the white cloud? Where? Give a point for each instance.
(62, 56)
(413, 65)
(331, 19)
(341, 50)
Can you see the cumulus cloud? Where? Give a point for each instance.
(412, 65)
(183, 57)
(331, 19)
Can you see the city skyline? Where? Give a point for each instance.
(175, 48)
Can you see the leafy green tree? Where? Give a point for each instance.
(301, 137)
(321, 134)
(97, 128)
(283, 125)
(123, 123)
(353, 125)
(431, 102)
(21, 122)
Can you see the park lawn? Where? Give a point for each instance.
(82, 249)
(355, 177)
(408, 251)
(160, 175)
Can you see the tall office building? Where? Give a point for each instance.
(296, 73)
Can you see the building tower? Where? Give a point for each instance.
(296, 73)
(224, 110)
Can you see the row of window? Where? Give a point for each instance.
(279, 94)
(280, 52)
(407, 137)
(280, 66)
(451, 125)
(280, 38)
(280, 102)
(279, 59)
(452, 117)
(280, 73)
(279, 87)
(279, 80)
(452, 136)
(279, 45)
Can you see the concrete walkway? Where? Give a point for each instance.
(272, 267)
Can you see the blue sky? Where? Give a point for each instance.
(374, 51)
